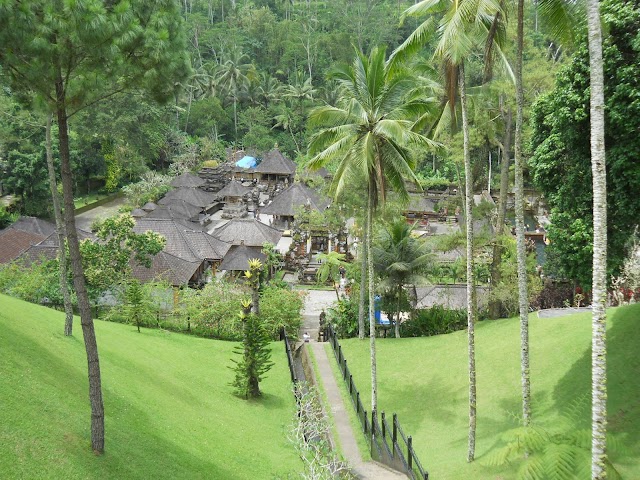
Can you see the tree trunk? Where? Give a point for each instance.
(62, 245)
(521, 253)
(599, 318)
(494, 307)
(372, 318)
(398, 313)
(471, 289)
(363, 283)
(88, 331)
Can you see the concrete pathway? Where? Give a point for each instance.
(84, 220)
(315, 302)
(561, 312)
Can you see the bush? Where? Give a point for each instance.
(344, 318)
(281, 307)
(213, 311)
(35, 283)
(436, 320)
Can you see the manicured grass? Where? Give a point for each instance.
(170, 412)
(424, 380)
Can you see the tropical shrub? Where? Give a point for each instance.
(344, 317)
(281, 307)
(436, 320)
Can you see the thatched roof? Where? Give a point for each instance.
(194, 196)
(291, 198)
(187, 180)
(138, 212)
(276, 163)
(233, 189)
(238, 258)
(248, 230)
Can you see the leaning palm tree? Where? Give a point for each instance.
(369, 135)
(462, 25)
(599, 292)
(401, 260)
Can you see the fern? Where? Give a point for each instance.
(550, 453)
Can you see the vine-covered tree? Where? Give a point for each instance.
(561, 161)
(71, 55)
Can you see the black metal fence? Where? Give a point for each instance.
(389, 446)
(287, 348)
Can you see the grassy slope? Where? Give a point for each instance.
(169, 410)
(424, 380)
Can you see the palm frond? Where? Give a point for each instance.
(561, 16)
(413, 44)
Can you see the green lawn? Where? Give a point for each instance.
(424, 380)
(169, 410)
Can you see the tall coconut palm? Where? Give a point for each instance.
(461, 27)
(523, 296)
(599, 293)
(369, 135)
(558, 12)
(401, 260)
(234, 74)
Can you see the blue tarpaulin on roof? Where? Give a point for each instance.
(246, 162)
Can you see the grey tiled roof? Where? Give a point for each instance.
(238, 258)
(182, 242)
(248, 230)
(149, 206)
(165, 266)
(275, 162)
(138, 212)
(194, 196)
(293, 197)
(34, 225)
(207, 246)
(175, 208)
(233, 189)
(187, 180)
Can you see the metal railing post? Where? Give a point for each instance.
(394, 434)
(409, 452)
(384, 430)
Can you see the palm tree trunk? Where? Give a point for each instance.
(398, 313)
(372, 318)
(520, 240)
(471, 290)
(494, 306)
(599, 318)
(62, 245)
(88, 330)
(363, 283)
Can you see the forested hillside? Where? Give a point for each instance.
(257, 68)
